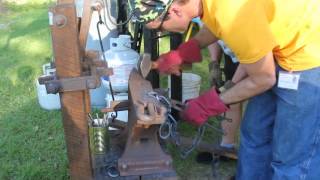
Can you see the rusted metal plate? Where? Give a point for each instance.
(147, 109)
(145, 65)
(75, 105)
(143, 154)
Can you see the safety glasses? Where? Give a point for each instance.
(162, 18)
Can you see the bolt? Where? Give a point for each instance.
(124, 166)
(60, 20)
(52, 87)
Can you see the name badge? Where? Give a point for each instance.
(288, 80)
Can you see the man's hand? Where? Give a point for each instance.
(199, 109)
(170, 63)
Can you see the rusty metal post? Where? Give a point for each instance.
(75, 105)
(176, 81)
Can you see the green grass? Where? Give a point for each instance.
(31, 139)
(32, 144)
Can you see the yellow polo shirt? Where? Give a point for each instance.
(252, 28)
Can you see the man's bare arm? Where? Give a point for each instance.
(215, 52)
(205, 37)
(261, 77)
(240, 74)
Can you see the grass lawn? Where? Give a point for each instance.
(32, 144)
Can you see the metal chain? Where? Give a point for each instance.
(195, 142)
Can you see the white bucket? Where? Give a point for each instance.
(122, 115)
(190, 86)
(47, 101)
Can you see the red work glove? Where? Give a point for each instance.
(187, 52)
(198, 110)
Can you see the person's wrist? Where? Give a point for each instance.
(223, 100)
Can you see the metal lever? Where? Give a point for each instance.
(72, 84)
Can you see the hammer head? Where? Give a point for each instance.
(145, 65)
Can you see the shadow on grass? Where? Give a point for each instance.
(29, 31)
(21, 27)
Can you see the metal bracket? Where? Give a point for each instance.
(72, 84)
(94, 67)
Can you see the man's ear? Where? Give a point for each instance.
(175, 9)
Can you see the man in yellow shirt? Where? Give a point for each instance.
(277, 43)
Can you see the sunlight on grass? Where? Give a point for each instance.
(32, 47)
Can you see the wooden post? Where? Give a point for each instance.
(65, 40)
(85, 24)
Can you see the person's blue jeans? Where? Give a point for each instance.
(280, 133)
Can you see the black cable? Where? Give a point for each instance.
(114, 116)
(108, 14)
